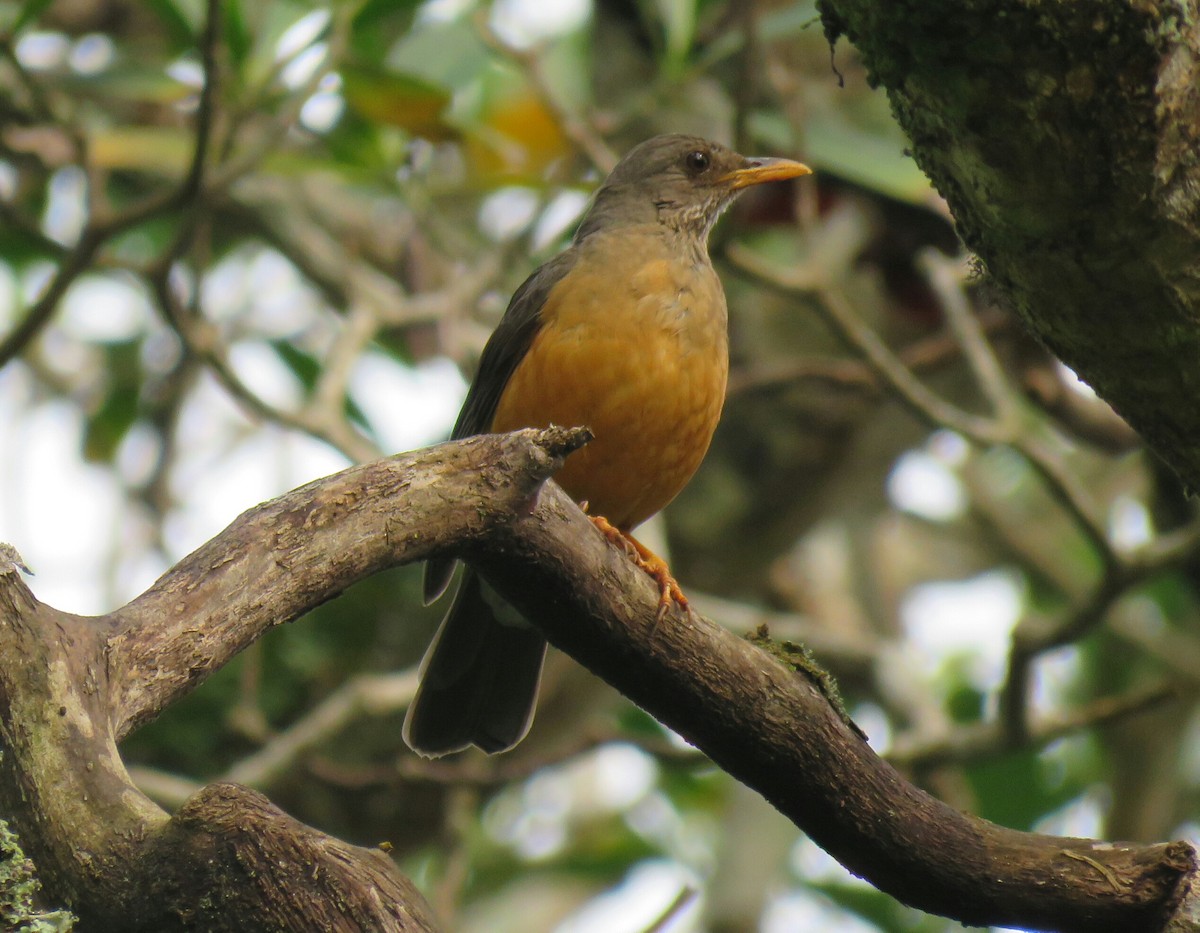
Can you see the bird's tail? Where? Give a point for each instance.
(479, 679)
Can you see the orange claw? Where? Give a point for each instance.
(668, 587)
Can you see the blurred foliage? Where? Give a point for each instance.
(378, 176)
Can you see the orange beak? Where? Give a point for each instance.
(757, 171)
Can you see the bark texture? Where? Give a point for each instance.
(1066, 139)
(72, 687)
(772, 728)
(229, 860)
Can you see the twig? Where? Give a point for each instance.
(945, 277)
(366, 694)
(358, 328)
(858, 651)
(837, 312)
(476, 770)
(1035, 635)
(1178, 651)
(205, 108)
(929, 406)
(99, 230)
(324, 416)
(1064, 485)
(37, 97)
(1007, 429)
(923, 402)
(460, 816)
(1166, 551)
(678, 905)
(1091, 420)
(201, 340)
(923, 354)
(372, 694)
(967, 744)
(578, 130)
(74, 264)
(244, 160)
(170, 791)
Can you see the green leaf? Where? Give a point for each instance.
(30, 11)
(679, 31)
(398, 99)
(19, 250)
(1012, 790)
(377, 24)
(108, 426)
(358, 144)
(304, 366)
(878, 908)
(238, 38)
(785, 23)
(854, 148)
(449, 55)
(874, 161)
(180, 31)
(307, 368)
(127, 83)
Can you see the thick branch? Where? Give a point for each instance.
(102, 843)
(283, 875)
(282, 558)
(70, 686)
(1064, 138)
(228, 861)
(773, 730)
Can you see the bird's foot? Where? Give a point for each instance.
(668, 587)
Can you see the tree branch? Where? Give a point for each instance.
(280, 559)
(75, 685)
(71, 687)
(1070, 169)
(772, 729)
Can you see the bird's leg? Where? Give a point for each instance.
(668, 587)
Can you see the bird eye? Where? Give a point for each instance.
(696, 161)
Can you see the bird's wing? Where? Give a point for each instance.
(508, 345)
(504, 351)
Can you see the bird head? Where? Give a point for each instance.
(682, 182)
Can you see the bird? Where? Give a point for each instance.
(625, 333)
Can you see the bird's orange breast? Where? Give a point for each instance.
(637, 350)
